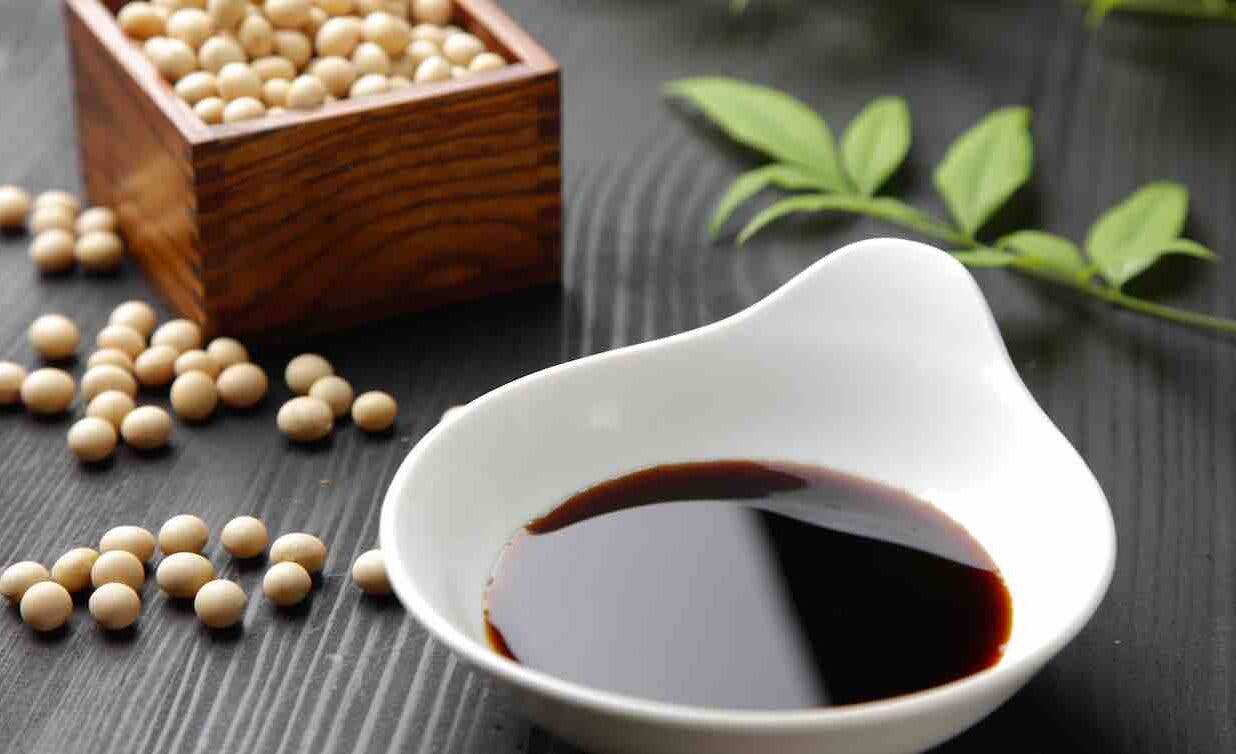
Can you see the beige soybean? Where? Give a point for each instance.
(242, 385)
(52, 251)
(336, 74)
(419, 51)
(183, 533)
(72, 569)
(339, 36)
(112, 406)
(304, 370)
(192, 26)
(139, 315)
(306, 93)
(286, 584)
(335, 392)
(19, 577)
(14, 206)
(219, 51)
(245, 108)
(135, 540)
(275, 92)
(220, 603)
(227, 14)
(51, 217)
(119, 566)
(257, 36)
(433, 68)
(103, 377)
(287, 14)
(115, 606)
(462, 47)
(432, 11)
(46, 606)
(371, 59)
(58, 198)
(92, 439)
(172, 58)
(294, 46)
(99, 251)
(370, 84)
(141, 20)
(374, 411)
(156, 366)
(389, 32)
(181, 334)
(238, 80)
(429, 32)
(210, 110)
(486, 61)
(369, 573)
(121, 337)
(274, 67)
(244, 537)
(458, 71)
(11, 377)
(54, 337)
(48, 391)
(182, 574)
(335, 7)
(146, 428)
(227, 351)
(110, 357)
(194, 396)
(196, 87)
(303, 549)
(305, 419)
(196, 360)
(97, 218)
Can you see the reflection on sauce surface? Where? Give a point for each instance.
(748, 585)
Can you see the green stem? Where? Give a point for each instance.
(1227, 13)
(1170, 313)
(1115, 297)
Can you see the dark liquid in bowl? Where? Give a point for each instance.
(748, 585)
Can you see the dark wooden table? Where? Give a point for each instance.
(1152, 407)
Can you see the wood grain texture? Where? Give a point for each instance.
(314, 221)
(1150, 406)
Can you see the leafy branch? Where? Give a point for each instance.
(979, 174)
(1218, 10)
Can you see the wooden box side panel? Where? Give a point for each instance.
(401, 207)
(134, 159)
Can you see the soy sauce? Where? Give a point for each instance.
(748, 585)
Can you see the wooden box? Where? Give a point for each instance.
(307, 221)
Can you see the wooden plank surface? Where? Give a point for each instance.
(1150, 406)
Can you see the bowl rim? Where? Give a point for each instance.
(481, 656)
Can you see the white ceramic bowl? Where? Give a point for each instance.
(882, 360)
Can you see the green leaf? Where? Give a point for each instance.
(882, 208)
(753, 182)
(876, 142)
(984, 258)
(1047, 252)
(767, 120)
(1131, 236)
(985, 166)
